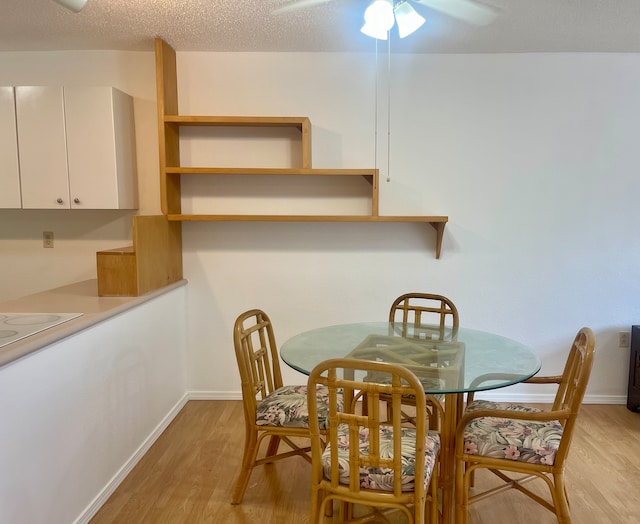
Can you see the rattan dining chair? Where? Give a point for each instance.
(420, 310)
(427, 317)
(520, 443)
(270, 408)
(368, 460)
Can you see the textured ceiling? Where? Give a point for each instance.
(252, 25)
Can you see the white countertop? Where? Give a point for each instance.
(81, 297)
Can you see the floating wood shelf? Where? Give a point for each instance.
(301, 122)
(306, 218)
(437, 222)
(171, 170)
(367, 173)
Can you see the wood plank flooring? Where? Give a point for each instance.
(188, 476)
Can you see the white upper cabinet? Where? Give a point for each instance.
(101, 148)
(76, 148)
(9, 173)
(42, 147)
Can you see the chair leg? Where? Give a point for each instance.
(365, 405)
(434, 512)
(434, 419)
(316, 506)
(419, 516)
(472, 477)
(462, 492)
(346, 511)
(272, 449)
(328, 509)
(561, 501)
(248, 460)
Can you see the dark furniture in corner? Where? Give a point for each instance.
(633, 394)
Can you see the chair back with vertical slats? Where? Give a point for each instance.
(369, 458)
(538, 440)
(573, 385)
(429, 315)
(257, 356)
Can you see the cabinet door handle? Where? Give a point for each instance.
(76, 200)
(60, 201)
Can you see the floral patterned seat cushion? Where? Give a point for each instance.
(378, 478)
(488, 404)
(287, 407)
(511, 439)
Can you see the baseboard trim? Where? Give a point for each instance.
(91, 510)
(215, 395)
(605, 399)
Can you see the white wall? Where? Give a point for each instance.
(25, 266)
(532, 156)
(78, 411)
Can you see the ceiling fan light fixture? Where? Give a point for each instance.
(408, 19)
(73, 5)
(374, 31)
(378, 19)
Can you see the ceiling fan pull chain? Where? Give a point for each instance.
(388, 109)
(375, 126)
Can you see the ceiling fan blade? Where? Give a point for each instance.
(73, 5)
(465, 10)
(298, 4)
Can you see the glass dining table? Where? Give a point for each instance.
(455, 362)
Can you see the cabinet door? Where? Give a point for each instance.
(42, 147)
(9, 173)
(100, 148)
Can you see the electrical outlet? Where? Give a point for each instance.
(47, 239)
(623, 339)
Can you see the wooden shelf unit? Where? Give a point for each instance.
(153, 261)
(171, 171)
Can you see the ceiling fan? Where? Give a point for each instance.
(469, 11)
(72, 5)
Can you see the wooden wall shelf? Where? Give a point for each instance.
(302, 123)
(171, 170)
(367, 173)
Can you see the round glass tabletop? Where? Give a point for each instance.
(469, 360)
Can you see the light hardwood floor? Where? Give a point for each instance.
(188, 476)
